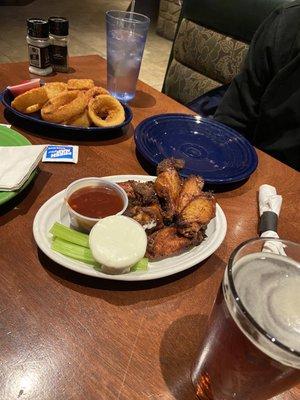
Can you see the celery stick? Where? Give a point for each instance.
(70, 235)
(73, 251)
(141, 265)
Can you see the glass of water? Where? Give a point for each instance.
(126, 34)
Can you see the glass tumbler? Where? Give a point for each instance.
(251, 350)
(126, 34)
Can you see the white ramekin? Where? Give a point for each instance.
(79, 221)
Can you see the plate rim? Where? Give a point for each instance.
(56, 257)
(220, 181)
(77, 129)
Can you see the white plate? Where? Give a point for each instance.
(54, 210)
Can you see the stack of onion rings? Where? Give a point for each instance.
(78, 102)
(64, 106)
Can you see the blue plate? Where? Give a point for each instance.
(33, 122)
(210, 149)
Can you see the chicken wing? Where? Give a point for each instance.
(145, 193)
(168, 242)
(196, 214)
(149, 217)
(168, 185)
(170, 163)
(139, 193)
(191, 187)
(128, 187)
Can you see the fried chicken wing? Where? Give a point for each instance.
(192, 230)
(169, 163)
(145, 193)
(128, 187)
(191, 187)
(139, 193)
(201, 209)
(168, 185)
(168, 242)
(197, 214)
(149, 217)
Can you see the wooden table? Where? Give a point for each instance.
(66, 336)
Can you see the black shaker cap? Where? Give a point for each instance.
(37, 27)
(59, 26)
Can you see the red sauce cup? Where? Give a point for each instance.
(85, 223)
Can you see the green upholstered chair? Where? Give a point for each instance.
(169, 12)
(211, 42)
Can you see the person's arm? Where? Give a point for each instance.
(239, 107)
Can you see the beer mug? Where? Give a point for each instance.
(252, 346)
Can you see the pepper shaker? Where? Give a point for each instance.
(59, 30)
(38, 46)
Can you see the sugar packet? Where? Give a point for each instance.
(61, 153)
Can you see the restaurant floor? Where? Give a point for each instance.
(87, 32)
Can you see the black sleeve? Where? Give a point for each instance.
(239, 108)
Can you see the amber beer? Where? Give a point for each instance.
(252, 347)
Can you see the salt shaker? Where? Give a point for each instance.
(59, 30)
(38, 46)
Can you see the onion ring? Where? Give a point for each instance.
(30, 101)
(80, 120)
(80, 84)
(106, 111)
(64, 106)
(96, 91)
(54, 88)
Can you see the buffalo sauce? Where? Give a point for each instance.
(96, 201)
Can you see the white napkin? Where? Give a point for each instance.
(270, 202)
(17, 163)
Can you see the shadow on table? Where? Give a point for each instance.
(142, 100)
(178, 350)
(123, 293)
(20, 204)
(113, 136)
